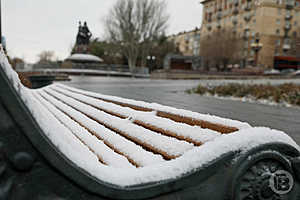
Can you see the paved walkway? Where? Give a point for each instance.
(170, 92)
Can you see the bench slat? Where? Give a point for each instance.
(190, 118)
(136, 153)
(105, 154)
(193, 134)
(166, 146)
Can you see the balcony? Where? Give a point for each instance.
(219, 15)
(288, 16)
(208, 26)
(235, 11)
(236, 2)
(234, 21)
(247, 7)
(247, 17)
(287, 27)
(290, 4)
(246, 35)
(286, 47)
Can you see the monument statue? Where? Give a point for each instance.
(84, 35)
(81, 52)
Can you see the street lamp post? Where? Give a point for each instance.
(256, 46)
(151, 62)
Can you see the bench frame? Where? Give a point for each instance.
(31, 167)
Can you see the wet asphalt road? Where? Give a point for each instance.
(171, 93)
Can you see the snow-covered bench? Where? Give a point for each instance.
(59, 142)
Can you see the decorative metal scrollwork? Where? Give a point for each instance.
(256, 182)
(21, 162)
(5, 183)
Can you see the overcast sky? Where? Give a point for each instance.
(31, 26)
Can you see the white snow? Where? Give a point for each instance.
(84, 57)
(106, 154)
(60, 130)
(136, 153)
(251, 99)
(167, 109)
(194, 133)
(158, 142)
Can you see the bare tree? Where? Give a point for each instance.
(221, 48)
(134, 24)
(46, 56)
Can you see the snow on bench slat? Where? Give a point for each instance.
(61, 136)
(193, 134)
(107, 155)
(166, 109)
(167, 146)
(128, 148)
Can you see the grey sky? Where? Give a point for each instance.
(31, 26)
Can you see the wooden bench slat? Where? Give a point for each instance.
(107, 155)
(166, 146)
(134, 152)
(175, 117)
(149, 120)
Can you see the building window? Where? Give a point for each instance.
(277, 32)
(279, 11)
(295, 23)
(295, 34)
(278, 42)
(246, 44)
(278, 21)
(287, 41)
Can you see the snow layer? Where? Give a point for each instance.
(171, 110)
(159, 142)
(192, 159)
(194, 133)
(84, 57)
(134, 152)
(106, 154)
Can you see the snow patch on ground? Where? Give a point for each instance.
(252, 100)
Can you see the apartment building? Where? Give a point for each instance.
(269, 29)
(187, 43)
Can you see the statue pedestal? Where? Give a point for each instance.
(83, 49)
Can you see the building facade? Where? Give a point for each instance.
(187, 43)
(268, 29)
